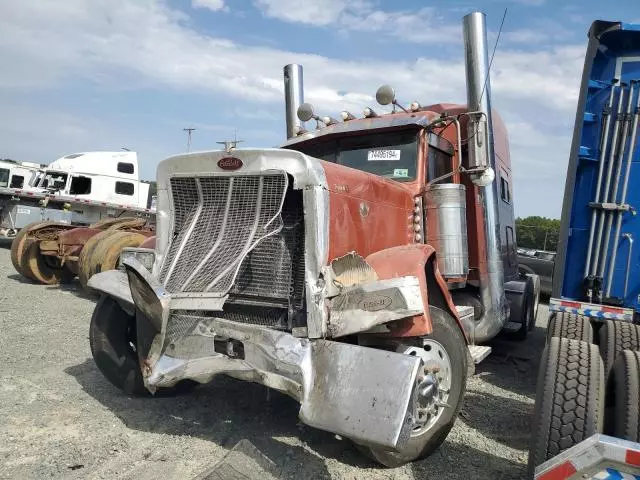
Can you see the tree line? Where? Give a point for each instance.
(536, 232)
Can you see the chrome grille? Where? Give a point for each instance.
(275, 268)
(217, 222)
(183, 322)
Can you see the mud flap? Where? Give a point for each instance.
(361, 393)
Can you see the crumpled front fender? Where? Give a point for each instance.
(362, 393)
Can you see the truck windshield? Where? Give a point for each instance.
(391, 155)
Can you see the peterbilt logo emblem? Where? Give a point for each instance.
(374, 303)
(230, 163)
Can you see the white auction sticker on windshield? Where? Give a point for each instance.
(375, 155)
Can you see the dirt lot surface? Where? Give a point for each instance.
(61, 419)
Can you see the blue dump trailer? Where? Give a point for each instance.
(586, 421)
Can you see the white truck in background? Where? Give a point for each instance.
(74, 216)
(19, 174)
(77, 189)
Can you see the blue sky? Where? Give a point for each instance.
(101, 74)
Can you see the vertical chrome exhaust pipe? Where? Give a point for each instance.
(479, 100)
(293, 97)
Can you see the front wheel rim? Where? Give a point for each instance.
(433, 384)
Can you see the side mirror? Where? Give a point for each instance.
(484, 178)
(305, 112)
(386, 95)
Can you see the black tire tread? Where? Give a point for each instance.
(569, 398)
(570, 325)
(116, 361)
(108, 341)
(626, 376)
(616, 336)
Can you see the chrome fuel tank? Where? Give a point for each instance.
(446, 227)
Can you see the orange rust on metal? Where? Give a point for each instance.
(146, 367)
(78, 236)
(47, 246)
(50, 232)
(118, 222)
(455, 279)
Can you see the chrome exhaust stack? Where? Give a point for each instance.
(481, 153)
(293, 97)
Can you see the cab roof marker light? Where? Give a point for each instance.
(328, 120)
(369, 113)
(415, 106)
(346, 116)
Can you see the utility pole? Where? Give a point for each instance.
(188, 130)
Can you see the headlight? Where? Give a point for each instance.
(146, 256)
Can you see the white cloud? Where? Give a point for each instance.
(314, 12)
(214, 5)
(137, 45)
(421, 26)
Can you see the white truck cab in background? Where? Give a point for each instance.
(77, 189)
(19, 174)
(99, 176)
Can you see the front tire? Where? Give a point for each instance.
(112, 338)
(446, 341)
(112, 341)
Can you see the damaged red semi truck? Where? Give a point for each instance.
(358, 269)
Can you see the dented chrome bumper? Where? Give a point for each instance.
(361, 393)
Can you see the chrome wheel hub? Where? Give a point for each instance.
(434, 384)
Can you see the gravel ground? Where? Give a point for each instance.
(61, 419)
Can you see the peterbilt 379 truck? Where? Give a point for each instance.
(586, 422)
(359, 268)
